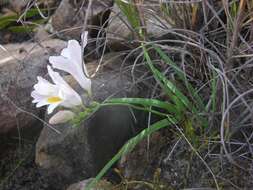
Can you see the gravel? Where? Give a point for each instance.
(18, 170)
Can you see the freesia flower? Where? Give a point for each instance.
(53, 95)
(71, 62)
(61, 117)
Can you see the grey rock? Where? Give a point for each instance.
(69, 17)
(139, 164)
(101, 185)
(80, 152)
(119, 33)
(20, 64)
(41, 34)
(18, 5)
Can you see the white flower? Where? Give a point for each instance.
(59, 93)
(71, 62)
(61, 117)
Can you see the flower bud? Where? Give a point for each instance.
(61, 117)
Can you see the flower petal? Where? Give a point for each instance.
(70, 96)
(42, 103)
(73, 52)
(71, 61)
(51, 107)
(37, 97)
(45, 88)
(57, 79)
(42, 80)
(84, 82)
(60, 93)
(62, 63)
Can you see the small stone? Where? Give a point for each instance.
(101, 185)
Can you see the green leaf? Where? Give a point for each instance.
(145, 102)
(182, 77)
(34, 12)
(6, 21)
(129, 10)
(179, 99)
(214, 91)
(21, 29)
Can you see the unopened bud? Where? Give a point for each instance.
(61, 117)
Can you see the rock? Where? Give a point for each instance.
(139, 164)
(18, 5)
(81, 152)
(120, 35)
(20, 64)
(26, 175)
(168, 163)
(101, 185)
(69, 17)
(41, 34)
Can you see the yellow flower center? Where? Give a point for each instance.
(54, 99)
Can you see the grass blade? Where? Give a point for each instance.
(145, 102)
(179, 99)
(182, 77)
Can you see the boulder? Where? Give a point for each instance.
(79, 153)
(20, 64)
(119, 34)
(68, 18)
(134, 168)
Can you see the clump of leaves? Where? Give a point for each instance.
(10, 22)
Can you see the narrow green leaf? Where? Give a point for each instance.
(145, 102)
(21, 29)
(175, 94)
(129, 10)
(182, 77)
(6, 21)
(179, 99)
(34, 12)
(214, 91)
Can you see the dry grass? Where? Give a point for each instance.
(212, 43)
